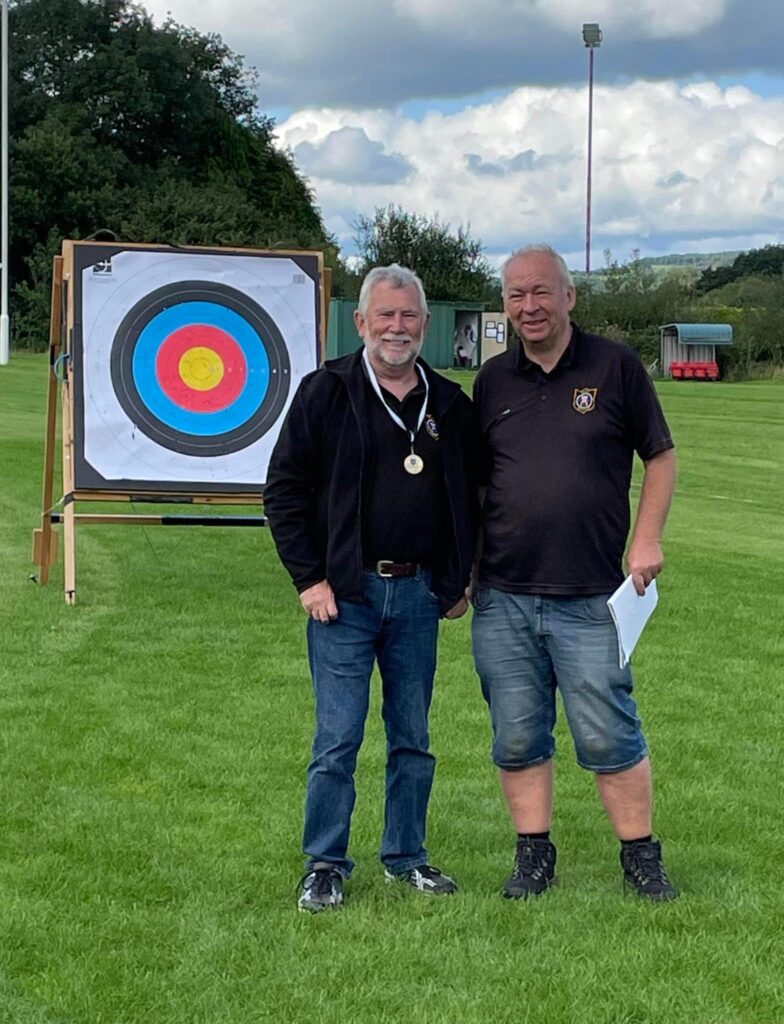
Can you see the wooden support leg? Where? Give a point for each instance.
(44, 551)
(44, 539)
(69, 546)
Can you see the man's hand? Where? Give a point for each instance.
(645, 562)
(458, 610)
(319, 602)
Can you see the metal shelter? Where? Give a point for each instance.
(689, 350)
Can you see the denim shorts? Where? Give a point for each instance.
(526, 647)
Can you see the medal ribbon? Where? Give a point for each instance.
(394, 416)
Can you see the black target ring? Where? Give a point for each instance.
(253, 337)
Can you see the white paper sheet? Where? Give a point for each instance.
(630, 612)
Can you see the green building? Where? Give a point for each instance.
(440, 343)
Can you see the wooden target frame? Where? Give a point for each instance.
(174, 376)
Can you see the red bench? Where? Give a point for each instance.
(694, 371)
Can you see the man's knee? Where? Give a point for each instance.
(515, 749)
(606, 752)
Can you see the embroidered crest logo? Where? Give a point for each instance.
(432, 427)
(584, 399)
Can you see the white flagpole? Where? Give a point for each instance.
(4, 321)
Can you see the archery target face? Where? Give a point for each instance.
(190, 362)
(200, 369)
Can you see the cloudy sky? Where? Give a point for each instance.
(478, 111)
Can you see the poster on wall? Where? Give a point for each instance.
(185, 363)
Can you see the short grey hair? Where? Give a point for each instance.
(547, 250)
(398, 277)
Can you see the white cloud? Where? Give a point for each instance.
(356, 53)
(657, 19)
(348, 155)
(675, 168)
(669, 163)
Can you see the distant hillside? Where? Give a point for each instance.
(694, 262)
(697, 260)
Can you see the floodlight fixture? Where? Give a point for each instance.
(592, 34)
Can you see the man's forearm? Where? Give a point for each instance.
(658, 486)
(646, 558)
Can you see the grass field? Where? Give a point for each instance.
(154, 739)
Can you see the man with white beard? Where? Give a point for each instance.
(372, 507)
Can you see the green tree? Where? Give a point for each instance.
(755, 308)
(635, 276)
(767, 261)
(450, 265)
(152, 132)
(629, 302)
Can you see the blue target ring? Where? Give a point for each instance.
(250, 333)
(205, 424)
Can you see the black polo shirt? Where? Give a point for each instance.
(559, 450)
(403, 514)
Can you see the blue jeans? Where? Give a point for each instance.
(525, 647)
(396, 624)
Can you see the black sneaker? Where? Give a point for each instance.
(534, 869)
(425, 878)
(644, 873)
(322, 889)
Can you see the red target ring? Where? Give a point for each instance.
(201, 368)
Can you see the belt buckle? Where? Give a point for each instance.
(380, 571)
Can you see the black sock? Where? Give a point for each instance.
(642, 839)
(533, 835)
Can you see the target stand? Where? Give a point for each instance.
(176, 367)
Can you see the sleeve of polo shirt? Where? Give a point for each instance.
(645, 418)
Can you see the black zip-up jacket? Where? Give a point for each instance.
(314, 492)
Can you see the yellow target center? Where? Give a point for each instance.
(201, 368)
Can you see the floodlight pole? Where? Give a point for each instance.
(592, 36)
(590, 154)
(4, 321)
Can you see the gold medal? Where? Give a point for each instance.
(413, 464)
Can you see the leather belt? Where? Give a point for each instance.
(395, 570)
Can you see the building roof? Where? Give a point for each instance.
(700, 334)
